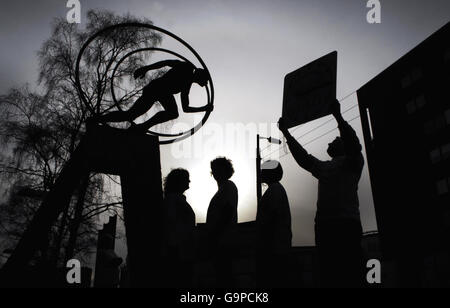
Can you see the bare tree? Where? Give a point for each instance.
(40, 129)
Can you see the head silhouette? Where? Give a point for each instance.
(221, 169)
(336, 148)
(271, 172)
(177, 181)
(201, 77)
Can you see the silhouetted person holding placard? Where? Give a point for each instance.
(178, 79)
(180, 228)
(274, 235)
(221, 221)
(337, 226)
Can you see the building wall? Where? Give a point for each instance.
(405, 115)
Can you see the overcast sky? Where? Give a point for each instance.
(249, 46)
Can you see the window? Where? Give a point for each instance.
(411, 107)
(445, 150)
(416, 74)
(370, 123)
(415, 104)
(428, 127)
(442, 187)
(412, 76)
(447, 56)
(447, 116)
(441, 153)
(440, 122)
(406, 81)
(420, 101)
(435, 155)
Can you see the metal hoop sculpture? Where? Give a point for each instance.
(209, 92)
(113, 94)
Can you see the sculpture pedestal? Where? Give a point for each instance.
(136, 159)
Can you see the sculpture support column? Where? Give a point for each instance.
(136, 159)
(143, 212)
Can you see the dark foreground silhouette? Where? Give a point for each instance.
(338, 228)
(179, 230)
(274, 235)
(221, 221)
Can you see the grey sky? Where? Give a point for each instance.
(249, 46)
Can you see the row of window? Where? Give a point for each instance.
(416, 104)
(440, 153)
(411, 77)
(442, 186)
(438, 123)
(416, 73)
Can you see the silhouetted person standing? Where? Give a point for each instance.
(221, 221)
(178, 79)
(337, 225)
(273, 222)
(180, 228)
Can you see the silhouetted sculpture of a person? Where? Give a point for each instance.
(221, 221)
(273, 225)
(180, 228)
(338, 230)
(178, 79)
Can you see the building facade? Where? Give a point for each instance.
(405, 115)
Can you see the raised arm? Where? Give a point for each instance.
(352, 147)
(185, 103)
(300, 155)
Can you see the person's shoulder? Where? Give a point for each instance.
(277, 189)
(175, 198)
(331, 164)
(360, 160)
(357, 160)
(273, 187)
(318, 163)
(231, 185)
(168, 198)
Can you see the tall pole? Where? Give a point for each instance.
(258, 173)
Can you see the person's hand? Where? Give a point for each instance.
(336, 108)
(282, 126)
(140, 73)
